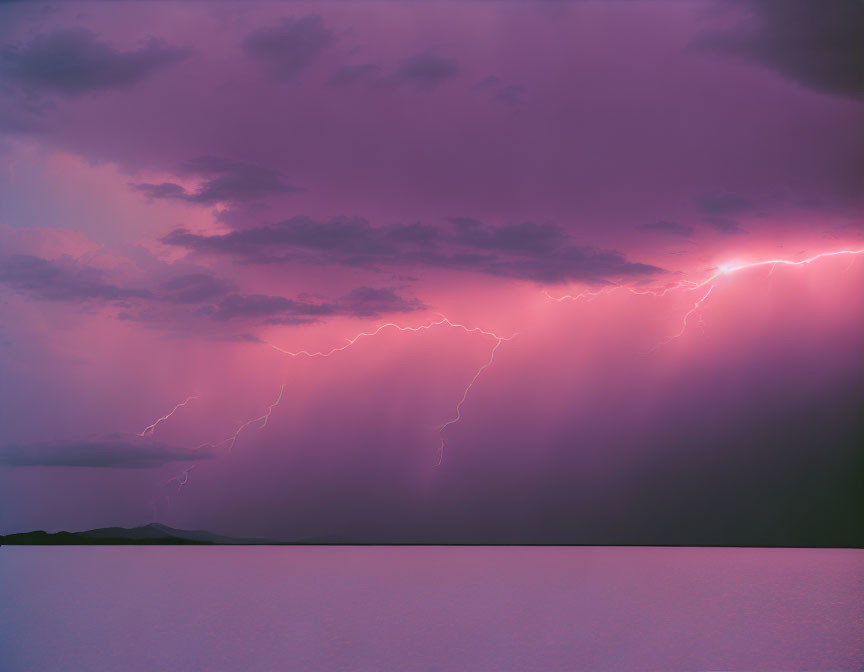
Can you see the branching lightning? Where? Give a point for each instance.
(687, 316)
(728, 269)
(458, 416)
(149, 429)
(444, 321)
(182, 479)
(709, 284)
(261, 420)
(732, 268)
(389, 325)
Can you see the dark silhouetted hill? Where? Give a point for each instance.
(152, 534)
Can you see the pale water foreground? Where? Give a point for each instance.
(429, 608)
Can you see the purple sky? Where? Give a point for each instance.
(184, 185)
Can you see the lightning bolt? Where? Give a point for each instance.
(183, 479)
(444, 321)
(687, 315)
(729, 269)
(149, 429)
(587, 294)
(387, 325)
(261, 420)
(458, 416)
(174, 483)
(709, 282)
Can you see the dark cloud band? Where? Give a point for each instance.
(540, 252)
(119, 451)
(74, 61)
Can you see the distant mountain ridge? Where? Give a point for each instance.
(152, 534)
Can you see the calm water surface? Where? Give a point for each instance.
(125, 609)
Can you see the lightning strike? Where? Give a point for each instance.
(387, 325)
(681, 284)
(456, 418)
(149, 429)
(729, 269)
(587, 294)
(261, 420)
(175, 483)
(722, 270)
(444, 321)
(687, 316)
(183, 479)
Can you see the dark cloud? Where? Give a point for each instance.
(73, 61)
(424, 71)
(353, 74)
(201, 295)
(62, 281)
(194, 288)
(718, 202)
(672, 228)
(525, 237)
(244, 338)
(539, 252)
(119, 451)
(725, 225)
(259, 305)
(290, 47)
(163, 190)
(225, 181)
(370, 302)
(815, 43)
(360, 302)
(347, 237)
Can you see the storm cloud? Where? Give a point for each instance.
(360, 302)
(62, 281)
(73, 61)
(121, 451)
(204, 294)
(819, 45)
(540, 252)
(288, 48)
(224, 180)
(423, 71)
(194, 288)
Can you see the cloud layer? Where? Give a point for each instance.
(73, 61)
(117, 451)
(207, 296)
(539, 252)
(288, 48)
(816, 44)
(223, 181)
